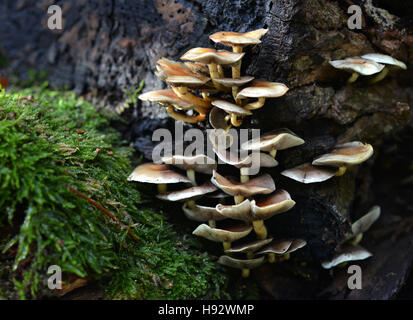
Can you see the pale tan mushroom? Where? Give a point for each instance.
(202, 213)
(282, 248)
(235, 112)
(307, 173)
(249, 248)
(387, 61)
(357, 66)
(235, 83)
(189, 193)
(244, 265)
(347, 253)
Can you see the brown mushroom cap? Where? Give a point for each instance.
(385, 59)
(208, 55)
(265, 207)
(279, 140)
(307, 173)
(201, 213)
(350, 153)
(234, 82)
(217, 118)
(178, 74)
(156, 173)
(239, 39)
(249, 247)
(222, 235)
(241, 211)
(188, 194)
(166, 98)
(199, 163)
(348, 253)
(283, 246)
(263, 184)
(241, 264)
(362, 66)
(231, 108)
(263, 89)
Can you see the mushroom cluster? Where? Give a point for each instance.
(202, 83)
(369, 64)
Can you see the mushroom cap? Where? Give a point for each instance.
(241, 264)
(217, 118)
(199, 163)
(219, 138)
(348, 253)
(208, 55)
(249, 247)
(279, 140)
(178, 74)
(385, 59)
(362, 66)
(278, 202)
(188, 194)
(231, 108)
(238, 39)
(222, 235)
(166, 98)
(198, 67)
(263, 89)
(307, 173)
(234, 82)
(263, 184)
(201, 213)
(241, 211)
(350, 153)
(365, 222)
(256, 158)
(281, 247)
(156, 173)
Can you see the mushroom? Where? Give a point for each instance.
(344, 155)
(261, 89)
(244, 265)
(234, 83)
(383, 59)
(363, 224)
(357, 66)
(198, 163)
(226, 236)
(273, 141)
(202, 213)
(249, 248)
(160, 174)
(307, 173)
(282, 247)
(348, 253)
(219, 138)
(213, 58)
(233, 110)
(263, 184)
(238, 41)
(189, 193)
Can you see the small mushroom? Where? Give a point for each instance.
(307, 173)
(198, 163)
(226, 236)
(363, 224)
(233, 110)
(282, 248)
(344, 155)
(261, 89)
(217, 119)
(234, 83)
(244, 265)
(348, 253)
(386, 60)
(189, 193)
(263, 184)
(202, 214)
(249, 248)
(273, 141)
(160, 174)
(357, 66)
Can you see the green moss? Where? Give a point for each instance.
(51, 140)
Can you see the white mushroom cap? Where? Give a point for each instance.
(241, 211)
(348, 253)
(350, 153)
(249, 247)
(166, 98)
(238, 39)
(231, 108)
(199, 163)
(208, 55)
(188, 194)
(362, 66)
(241, 264)
(385, 59)
(156, 173)
(263, 89)
(263, 184)
(282, 247)
(278, 202)
(234, 82)
(279, 140)
(307, 173)
(365, 222)
(263, 160)
(222, 235)
(201, 213)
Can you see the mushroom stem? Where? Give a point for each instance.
(226, 245)
(342, 170)
(206, 97)
(162, 188)
(250, 255)
(245, 273)
(260, 229)
(255, 105)
(200, 104)
(191, 204)
(220, 71)
(380, 76)
(234, 94)
(238, 199)
(273, 153)
(182, 117)
(357, 239)
(353, 77)
(212, 223)
(244, 175)
(214, 73)
(235, 121)
(236, 68)
(190, 173)
(271, 257)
